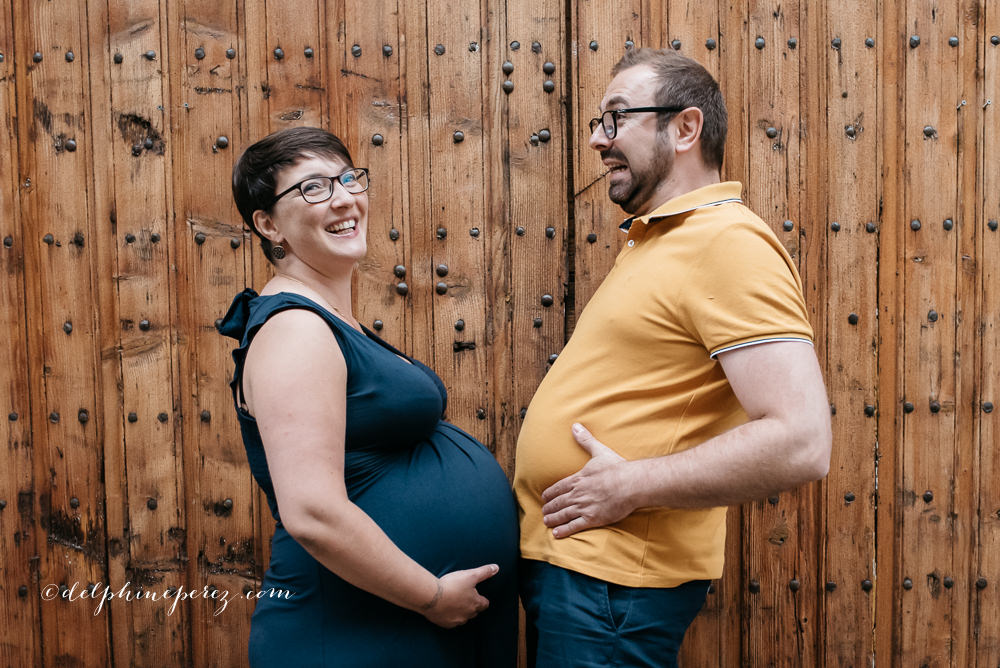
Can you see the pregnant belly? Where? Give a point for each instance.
(446, 502)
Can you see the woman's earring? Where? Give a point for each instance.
(277, 251)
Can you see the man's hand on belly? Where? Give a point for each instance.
(594, 496)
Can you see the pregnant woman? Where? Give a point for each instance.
(396, 531)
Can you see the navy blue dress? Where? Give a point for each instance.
(434, 490)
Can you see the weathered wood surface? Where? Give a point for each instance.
(849, 122)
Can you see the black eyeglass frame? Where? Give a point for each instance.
(616, 112)
(333, 179)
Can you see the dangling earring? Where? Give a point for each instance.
(278, 251)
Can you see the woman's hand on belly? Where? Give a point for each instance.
(457, 600)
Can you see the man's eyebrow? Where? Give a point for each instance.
(615, 99)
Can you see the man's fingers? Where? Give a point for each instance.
(484, 572)
(557, 489)
(571, 527)
(584, 438)
(554, 518)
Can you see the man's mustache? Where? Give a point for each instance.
(615, 155)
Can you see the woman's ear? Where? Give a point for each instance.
(687, 129)
(265, 225)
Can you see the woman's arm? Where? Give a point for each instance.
(294, 383)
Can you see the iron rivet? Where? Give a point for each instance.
(519, 230)
(394, 234)
(907, 584)
(794, 584)
(994, 40)
(402, 288)
(37, 57)
(849, 497)
(459, 325)
(835, 226)
(773, 500)
(308, 52)
(481, 413)
(150, 55)
(550, 232)
(987, 407)
(234, 243)
(948, 224)
(536, 323)
(386, 50)
(206, 416)
(870, 227)
(508, 86)
(675, 44)
(523, 412)
(869, 410)
(507, 67)
(441, 288)
(533, 139)
(869, 42)
(754, 587)
(548, 86)
(377, 140)
(8, 241)
(515, 45)
(981, 583)
(544, 135)
(833, 409)
(549, 67)
(162, 417)
(948, 582)
(458, 136)
(83, 415)
(154, 237)
(439, 49)
(473, 47)
(788, 226)
(222, 141)
(907, 407)
(553, 357)
(442, 233)
(935, 406)
(928, 496)
(851, 131)
(953, 41)
(771, 132)
(377, 325)
(74, 502)
(759, 43)
(144, 325)
(710, 44)
(132, 417)
(54, 417)
(547, 300)
(929, 131)
(48, 238)
(914, 41)
(629, 44)
(356, 51)
(830, 585)
(151, 503)
(118, 58)
(137, 149)
(474, 232)
(792, 43)
(992, 225)
(3, 503)
(70, 145)
(199, 53)
(399, 270)
(199, 238)
(835, 43)
(228, 504)
(68, 327)
(591, 238)
(915, 224)
(866, 585)
(12, 416)
(22, 591)
(230, 53)
(129, 238)
(70, 57)
(932, 315)
(1, 57)
(536, 47)
(593, 44)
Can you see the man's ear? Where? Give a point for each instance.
(265, 225)
(687, 129)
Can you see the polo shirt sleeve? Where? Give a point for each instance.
(744, 289)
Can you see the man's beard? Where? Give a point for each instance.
(633, 194)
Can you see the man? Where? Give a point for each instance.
(690, 383)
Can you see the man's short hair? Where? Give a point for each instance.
(683, 82)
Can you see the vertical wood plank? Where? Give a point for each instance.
(52, 104)
(849, 144)
(19, 587)
(208, 251)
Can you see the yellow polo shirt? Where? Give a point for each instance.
(699, 275)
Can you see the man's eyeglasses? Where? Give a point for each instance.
(320, 188)
(609, 119)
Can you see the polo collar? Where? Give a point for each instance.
(711, 195)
